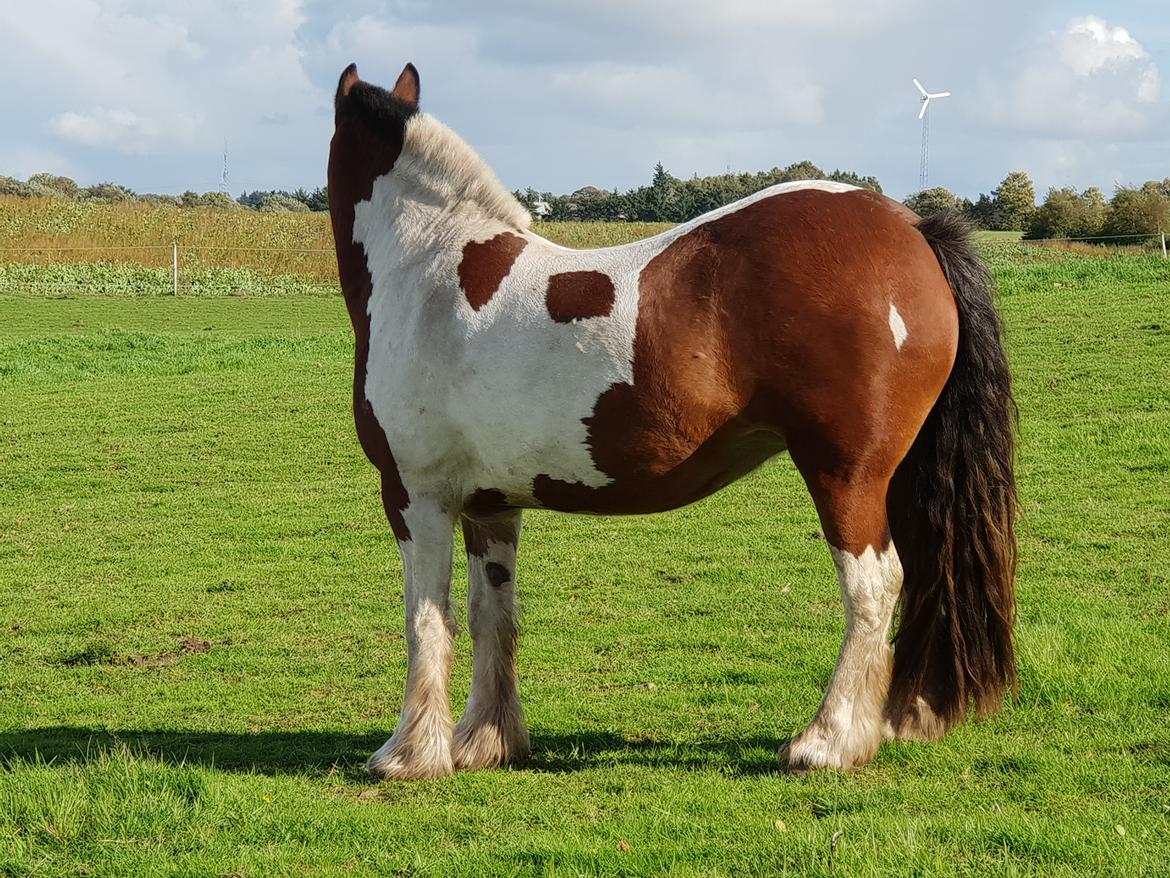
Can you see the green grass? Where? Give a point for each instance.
(201, 629)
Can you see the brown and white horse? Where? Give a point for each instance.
(496, 371)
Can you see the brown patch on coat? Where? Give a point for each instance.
(358, 155)
(488, 518)
(497, 573)
(485, 264)
(768, 328)
(579, 295)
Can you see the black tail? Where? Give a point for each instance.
(952, 510)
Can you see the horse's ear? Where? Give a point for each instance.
(349, 78)
(406, 88)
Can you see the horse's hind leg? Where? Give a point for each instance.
(421, 744)
(848, 727)
(492, 730)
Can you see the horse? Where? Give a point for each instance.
(495, 371)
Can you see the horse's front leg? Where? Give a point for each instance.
(492, 730)
(421, 744)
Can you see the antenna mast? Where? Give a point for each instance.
(223, 179)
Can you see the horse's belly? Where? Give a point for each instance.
(727, 455)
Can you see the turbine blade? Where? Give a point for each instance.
(925, 104)
(941, 94)
(920, 88)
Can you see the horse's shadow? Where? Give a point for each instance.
(325, 752)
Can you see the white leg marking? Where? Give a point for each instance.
(492, 730)
(897, 327)
(421, 744)
(850, 723)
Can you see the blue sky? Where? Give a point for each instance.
(561, 95)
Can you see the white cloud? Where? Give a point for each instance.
(161, 79)
(127, 131)
(1091, 79)
(1089, 44)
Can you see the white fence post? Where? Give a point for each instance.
(175, 267)
(1164, 255)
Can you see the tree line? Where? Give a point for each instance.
(671, 199)
(267, 201)
(1064, 213)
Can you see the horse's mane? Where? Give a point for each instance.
(443, 160)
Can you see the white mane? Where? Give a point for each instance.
(441, 161)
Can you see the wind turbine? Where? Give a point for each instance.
(924, 162)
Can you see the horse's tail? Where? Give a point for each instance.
(952, 509)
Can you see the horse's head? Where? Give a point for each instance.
(369, 130)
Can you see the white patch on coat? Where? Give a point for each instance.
(421, 743)
(492, 729)
(850, 724)
(897, 327)
(494, 397)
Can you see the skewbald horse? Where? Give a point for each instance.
(496, 371)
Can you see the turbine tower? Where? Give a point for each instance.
(924, 161)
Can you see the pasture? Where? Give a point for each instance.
(200, 638)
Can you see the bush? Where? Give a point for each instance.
(61, 185)
(12, 186)
(280, 203)
(218, 200)
(107, 193)
(153, 199)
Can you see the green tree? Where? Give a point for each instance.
(985, 213)
(933, 201)
(853, 179)
(318, 199)
(804, 170)
(1144, 211)
(663, 200)
(1067, 213)
(1015, 201)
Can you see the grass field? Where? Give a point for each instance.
(200, 633)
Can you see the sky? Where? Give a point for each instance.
(559, 95)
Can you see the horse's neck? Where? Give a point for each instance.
(407, 227)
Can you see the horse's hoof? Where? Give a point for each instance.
(490, 745)
(395, 761)
(811, 750)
